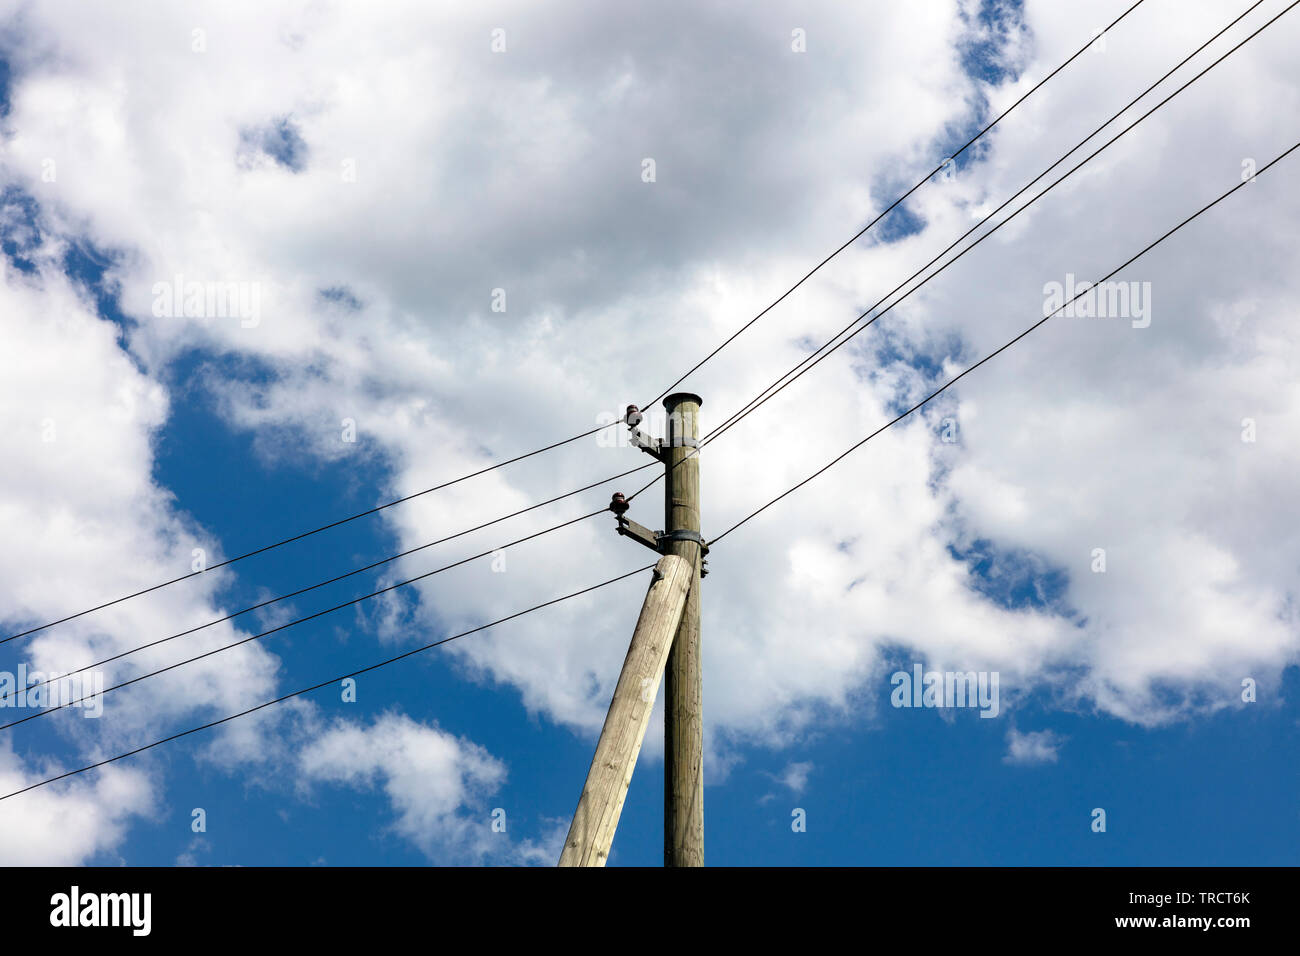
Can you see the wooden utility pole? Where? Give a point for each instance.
(601, 803)
(666, 645)
(683, 684)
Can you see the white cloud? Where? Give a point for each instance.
(76, 496)
(70, 825)
(522, 171)
(194, 849)
(795, 776)
(1033, 747)
(438, 785)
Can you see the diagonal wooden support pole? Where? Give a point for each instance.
(592, 831)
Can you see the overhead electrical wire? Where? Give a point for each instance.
(763, 396)
(1153, 244)
(890, 208)
(304, 534)
(829, 347)
(999, 350)
(276, 630)
(325, 683)
(599, 428)
(808, 362)
(334, 680)
(348, 574)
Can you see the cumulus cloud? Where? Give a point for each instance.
(75, 496)
(379, 172)
(437, 784)
(795, 776)
(71, 825)
(1032, 747)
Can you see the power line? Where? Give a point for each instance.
(814, 358)
(629, 574)
(827, 348)
(274, 630)
(738, 524)
(340, 577)
(307, 534)
(759, 400)
(1000, 349)
(731, 338)
(553, 445)
(731, 421)
(723, 428)
(325, 683)
(817, 356)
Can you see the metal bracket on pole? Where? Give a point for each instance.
(657, 541)
(638, 533)
(685, 535)
(651, 446)
(654, 447)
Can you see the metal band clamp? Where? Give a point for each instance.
(684, 535)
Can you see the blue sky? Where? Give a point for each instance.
(911, 789)
(1213, 785)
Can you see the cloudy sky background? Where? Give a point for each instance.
(376, 171)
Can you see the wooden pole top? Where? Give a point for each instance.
(676, 398)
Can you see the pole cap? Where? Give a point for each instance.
(676, 398)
